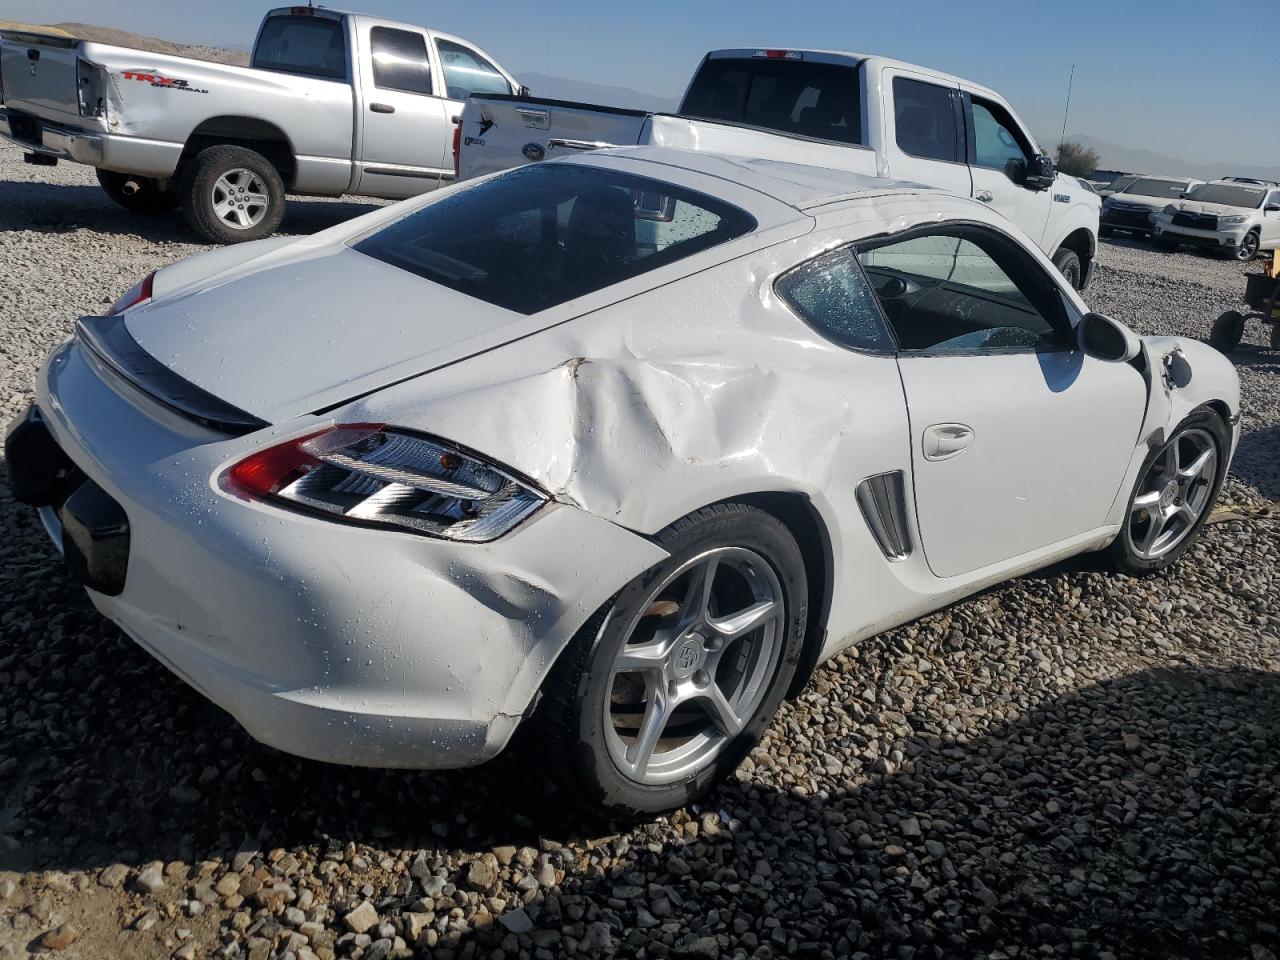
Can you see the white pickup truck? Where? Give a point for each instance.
(844, 111)
(333, 103)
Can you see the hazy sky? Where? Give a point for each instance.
(1197, 80)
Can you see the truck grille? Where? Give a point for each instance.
(1196, 221)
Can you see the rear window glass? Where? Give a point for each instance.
(791, 96)
(544, 234)
(311, 46)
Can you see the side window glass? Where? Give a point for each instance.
(995, 139)
(400, 60)
(964, 292)
(831, 294)
(466, 72)
(924, 119)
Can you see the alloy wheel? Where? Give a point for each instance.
(695, 665)
(1174, 492)
(240, 199)
(1248, 248)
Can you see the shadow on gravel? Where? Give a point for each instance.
(1140, 815)
(1255, 461)
(59, 208)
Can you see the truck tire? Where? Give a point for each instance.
(232, 195)
(137, 194)
(1068, 264)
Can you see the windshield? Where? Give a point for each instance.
(308, 45)
(1147, 187)
(1119, 183)
(791, 96)
(1228, 194)
(550, 232)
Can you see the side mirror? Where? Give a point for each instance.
(1273, 208)
(1040, 173)
(1016, 170)
(1105, 339)
(523, 91)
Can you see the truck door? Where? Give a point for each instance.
(998, 153)
(463, 71)
(924, 139)
(405, 132)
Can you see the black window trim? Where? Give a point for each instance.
(851, 248)
(961, 146)
(428, 46)
(1065, 316)
(971, 142)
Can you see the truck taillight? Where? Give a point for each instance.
(457, 143)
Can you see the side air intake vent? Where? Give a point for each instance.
(882, 498)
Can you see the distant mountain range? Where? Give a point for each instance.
(1113, 156)
(562, 88)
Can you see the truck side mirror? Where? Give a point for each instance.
(1015, 169)
(523, 91)
(1040, 173)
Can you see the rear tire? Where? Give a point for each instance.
(588, 729)
(1227, 331)
(1202, 433)
(1068, 264)
(137, 194)
(232, 195)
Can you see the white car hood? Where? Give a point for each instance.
(314, 330)
(1137, 200)
(1219, 209)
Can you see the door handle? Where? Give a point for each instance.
(382, 108)
(984, 196)
(942, 441)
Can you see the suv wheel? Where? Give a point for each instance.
(665, 690)
(1248, 248)
(232, 194)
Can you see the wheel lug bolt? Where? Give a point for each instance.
(700, 678)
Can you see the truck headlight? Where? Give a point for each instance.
(368, 473)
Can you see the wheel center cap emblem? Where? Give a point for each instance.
(687, 657)
(1169, 494)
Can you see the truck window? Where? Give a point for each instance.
(996, 138)
(534, 237)
(466, 72)
(924, 118)
(820, 100)
(310, 46)
(400, 60)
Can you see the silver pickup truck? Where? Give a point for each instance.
(845, 111)
(333, 103)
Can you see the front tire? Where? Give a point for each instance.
(1068, 264)
(1248, 248)
(232, 195)
(664, 691)
(1177, 486)
(141, 195)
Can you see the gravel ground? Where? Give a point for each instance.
(1072, 764)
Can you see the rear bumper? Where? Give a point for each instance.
(151, 158)
(338, 643)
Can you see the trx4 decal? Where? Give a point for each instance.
(156, 80)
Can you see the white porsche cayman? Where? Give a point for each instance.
(619, 446)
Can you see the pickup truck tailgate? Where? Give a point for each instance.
(40, 75)
(501, 132)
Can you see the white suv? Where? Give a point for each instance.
(1135, 206)
(1237, 217)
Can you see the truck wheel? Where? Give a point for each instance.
(232, 194)
(137, 194)
(1068, 264)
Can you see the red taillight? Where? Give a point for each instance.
(457, 144)
(271, 470)
(138, 293)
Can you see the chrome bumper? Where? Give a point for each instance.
(54, 141)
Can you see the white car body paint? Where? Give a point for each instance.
(631, 407)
